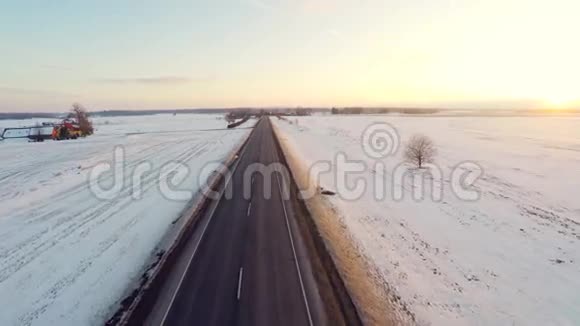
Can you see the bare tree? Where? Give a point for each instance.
(80, 114)
(230, 117)
(420, 150)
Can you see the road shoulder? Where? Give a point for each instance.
(349, 272)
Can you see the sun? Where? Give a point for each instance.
(557, 103)
(560, 102)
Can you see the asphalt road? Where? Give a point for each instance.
(247, 264)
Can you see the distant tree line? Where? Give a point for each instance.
(17, 116)
(360, 110)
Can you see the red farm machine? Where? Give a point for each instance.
(66, 129)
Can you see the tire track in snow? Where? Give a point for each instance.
(15, 259)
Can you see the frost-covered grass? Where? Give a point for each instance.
(510, 258)
(66, 257)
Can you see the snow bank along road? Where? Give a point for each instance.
(66, 257)
(510, 258)
(248, 262)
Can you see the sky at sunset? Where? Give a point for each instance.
(187, 54)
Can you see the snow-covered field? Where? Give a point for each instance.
(67, 257)
(512, 257)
